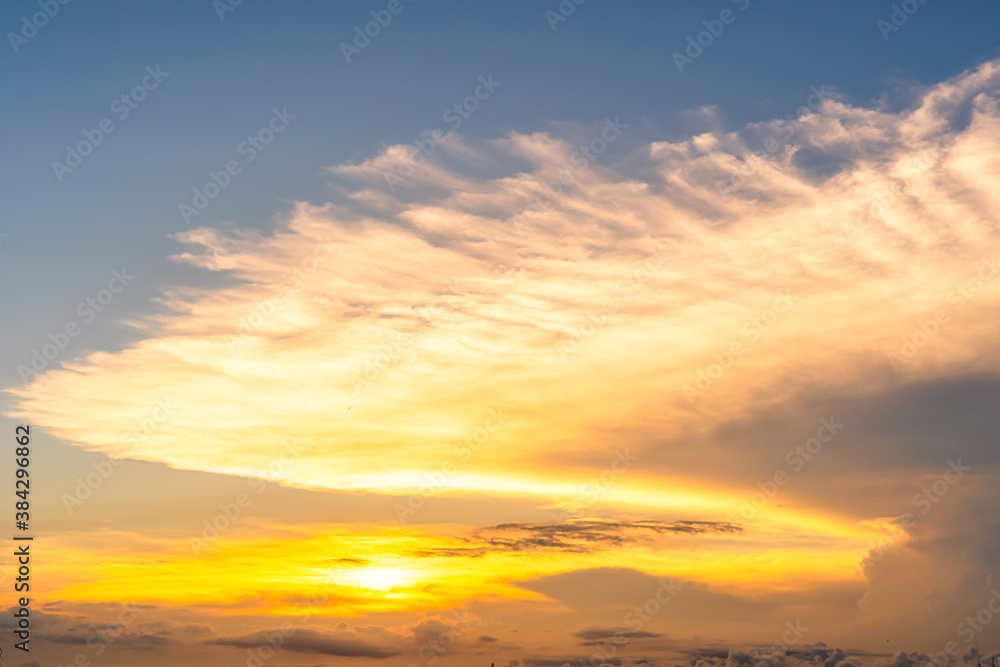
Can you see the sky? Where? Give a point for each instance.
(519, 333)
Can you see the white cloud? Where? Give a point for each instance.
(441, 307)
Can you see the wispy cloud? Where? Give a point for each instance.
(484, 302)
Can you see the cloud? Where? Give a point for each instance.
(607, 633)
(567, 660)
(311, 641)
(791, 656)
(405, 314)
(586, 536)
(643, 284)
(347, 561)
(575, 536)
(429, 630)
(648, 308)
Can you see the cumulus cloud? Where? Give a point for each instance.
(570, 660)
(814, 655)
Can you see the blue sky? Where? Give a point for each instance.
(225, 76)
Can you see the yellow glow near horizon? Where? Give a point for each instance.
(377, 578)
(374, 568)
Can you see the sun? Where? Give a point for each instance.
(380, 578)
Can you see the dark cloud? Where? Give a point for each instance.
(310, 641)
(454, 552)
(706, 653)
(904, 659)
(615, 643)
(831, 657)
(608, 633)
(576, 536)
(896, 433)
(817, 163)
(814, 655)
(40, 620)
(487, 638)
(143, 642)
(135, 641)
(430, 630)
(66, 639)
(573, 661)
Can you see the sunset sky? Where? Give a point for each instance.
(523, 333)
